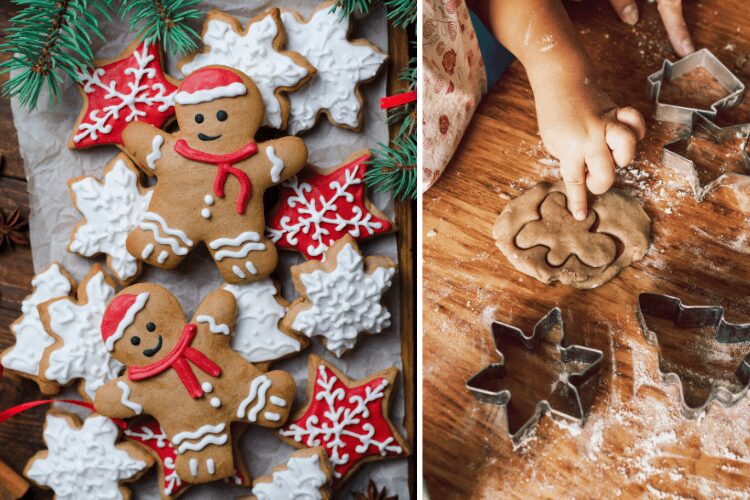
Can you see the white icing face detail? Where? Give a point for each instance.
(206, 213)
(208, 200)
(301, 478)
(243, 244)
(341, 65)
(277, 164)
(258, 389)
(82, 354)
(125, 399)
(31, 338)
(253, 54)
(213, 326)
(95, 442)
(111, 210)
(344, 302)
(155, 154)
(257, 336)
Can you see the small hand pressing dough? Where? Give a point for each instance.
(540, 237)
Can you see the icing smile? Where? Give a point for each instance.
(204, 137)
(150, 352)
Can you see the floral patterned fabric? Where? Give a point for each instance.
(454, 82)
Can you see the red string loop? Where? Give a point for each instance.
(396, 100)
(15, 410)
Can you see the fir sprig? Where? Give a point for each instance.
(401, 13)
(165, 21)
(47, 35)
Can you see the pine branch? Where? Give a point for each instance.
(401, 13)
(394, 167)
(47, 35)
(164, 21)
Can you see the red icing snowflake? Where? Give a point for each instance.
(149, 433)
(131, 88)
(348, 420)
(318, 209)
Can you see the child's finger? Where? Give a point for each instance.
(573, 172)
(621, 140)
(601, 168)
(627, 10)
(633, 119)
(674, 22)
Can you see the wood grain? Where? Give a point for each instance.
(635, 443)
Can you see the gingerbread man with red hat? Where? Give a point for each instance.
(188, 377)
(211, 177)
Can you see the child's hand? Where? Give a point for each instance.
(583, 128)
(671, 16)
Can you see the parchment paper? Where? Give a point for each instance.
(49, 164)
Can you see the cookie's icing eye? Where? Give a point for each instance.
(221, 115)
(150, 326)
(135, 340)
(199, 118)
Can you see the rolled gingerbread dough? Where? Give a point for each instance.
(540, 237)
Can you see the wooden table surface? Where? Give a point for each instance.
(636, 441)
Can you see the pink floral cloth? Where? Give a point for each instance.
(454, 82)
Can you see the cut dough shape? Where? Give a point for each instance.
(541, 239)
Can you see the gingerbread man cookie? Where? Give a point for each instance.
(212, 176)
(188, 377)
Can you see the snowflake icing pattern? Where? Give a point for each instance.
(111, 210)
(318, 209)
(148, 432)
(62, 469)
(133, 88)
(350, 422)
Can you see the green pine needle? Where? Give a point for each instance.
(394, 168)
(401, 13)
(165, 21)
(44, 37)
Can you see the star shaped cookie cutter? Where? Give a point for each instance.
(694, 317)
(671, 157)
(705, 59)
(487, 385)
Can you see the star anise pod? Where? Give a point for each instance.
(373, 493)
(12, 229)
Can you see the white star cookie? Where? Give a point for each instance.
(78, 351)
(341, 66)
(307, 474)
(341, 296)
(25, 356)
(85, 460)
(259, 52)
(111, 209)
(258, 334)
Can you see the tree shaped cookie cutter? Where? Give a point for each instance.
(673, 309)
(483, 385)
(705, 59)
(672, 158)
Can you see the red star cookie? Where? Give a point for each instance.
(131, 87)
(348, 419)
(318, 207)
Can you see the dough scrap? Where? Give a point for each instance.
(541, 239)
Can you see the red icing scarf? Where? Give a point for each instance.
(224, 168)
(179, 358)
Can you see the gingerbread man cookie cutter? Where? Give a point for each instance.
(672, 157)
(484, 386)
(696, 317)
(705, 59)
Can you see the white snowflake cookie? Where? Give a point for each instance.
(341, 65)
(111, 209)
(258, 332)
(259, 52)
(78, 351)
(25, 356)
(340, 297)
(306, 475)
(86, 460)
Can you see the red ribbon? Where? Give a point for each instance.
(15, 410)
(180, 358)
(224, 168)
(396, 100)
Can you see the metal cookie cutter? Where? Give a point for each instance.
(671, 152)
(673, 70)
(564, 399)
(672, 309)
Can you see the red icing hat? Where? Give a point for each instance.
(119, 315)
(207, 84)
